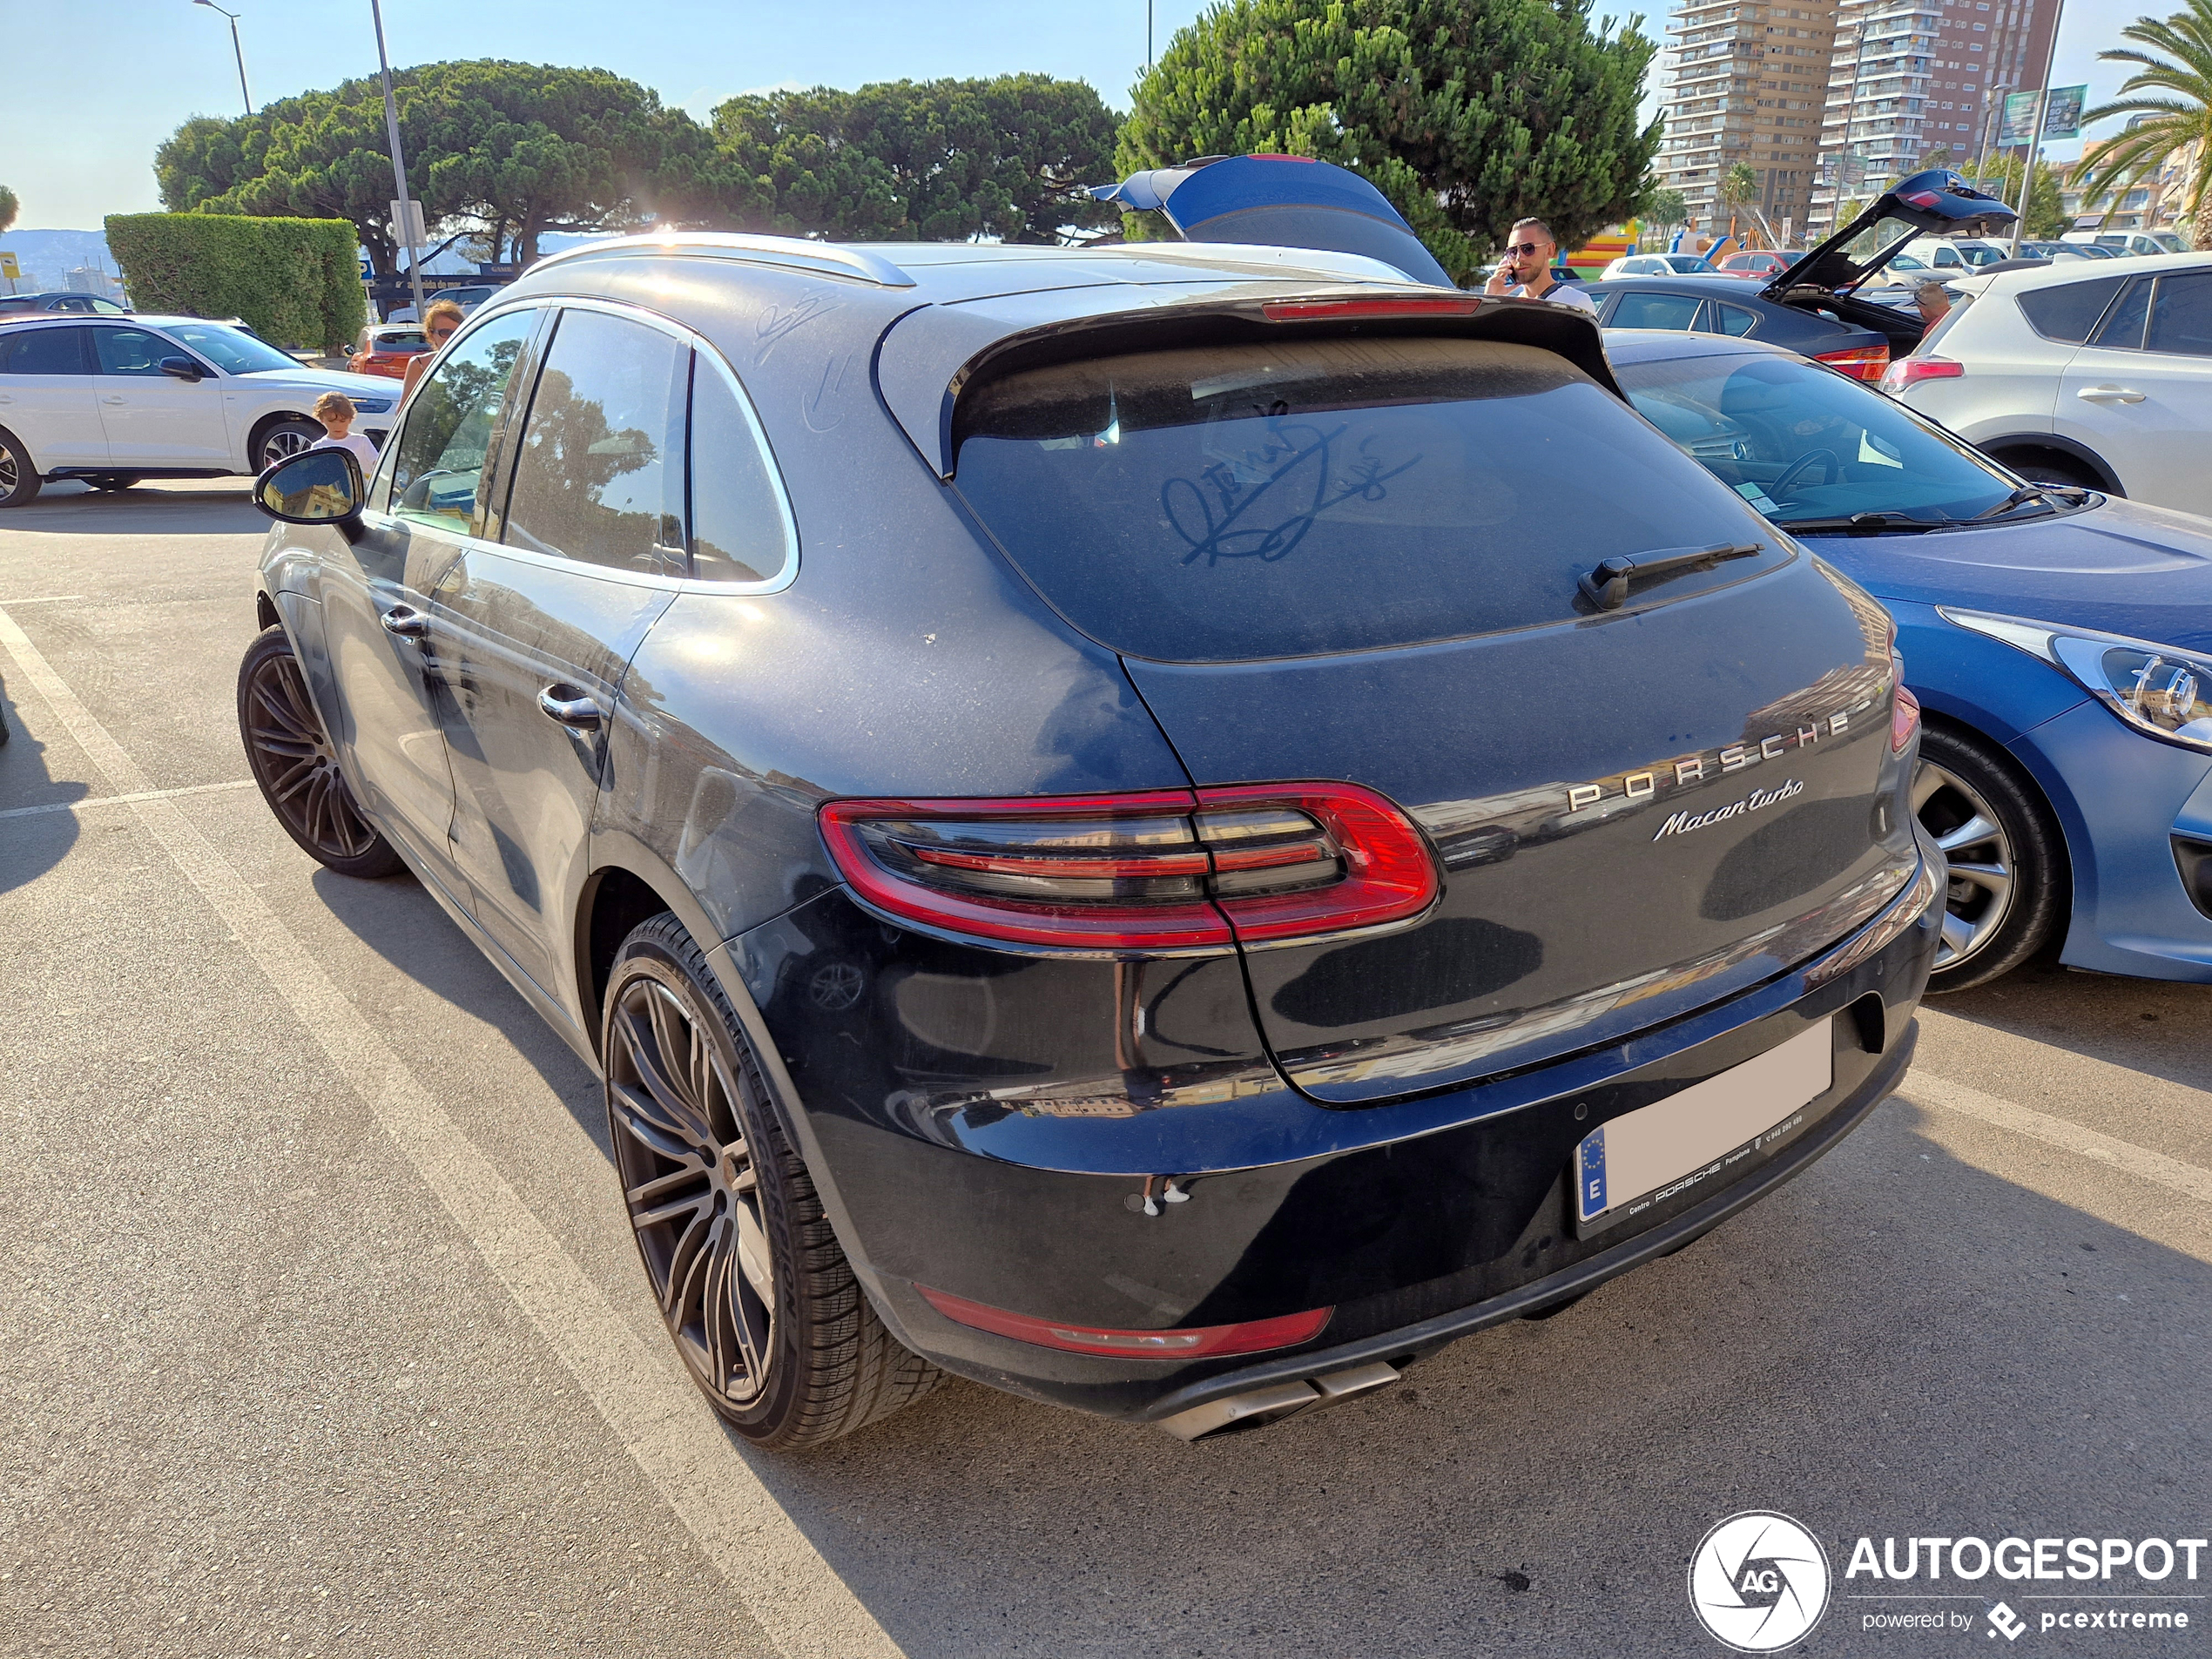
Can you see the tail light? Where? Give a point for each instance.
(1255, 1336)
(1162, 873)
(1911, 371)
(1904, 710)
(1860, 362)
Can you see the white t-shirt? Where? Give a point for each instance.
(1558, 294)
(364, 451)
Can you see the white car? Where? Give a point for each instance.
(2126, 242)
(467, 299)
(1955, 256)
(2096, 374)
(1657, 264)
(113, 401)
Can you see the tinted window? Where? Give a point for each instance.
(2182, 320)
(2123, 329)
(591, 473)
(1799, 442)
(232, 350)
(1639, 309)
(1728, 319)
(45, 351)
(740, 530)
(130, 351)
(2069, 311)
(1284, 499)
(438, 473)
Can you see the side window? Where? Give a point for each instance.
(2123, 329)
(741, 530)
(130, 351)
(1640, 308)
(2069, 311)
(593, 476)
(45, 351)
(2182, 320)
(438, 469)
(1729, 320)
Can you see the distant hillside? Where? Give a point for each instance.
(51, 255)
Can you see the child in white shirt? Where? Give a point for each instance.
(336, 411)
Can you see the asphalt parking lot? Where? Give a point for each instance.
(322, 1332)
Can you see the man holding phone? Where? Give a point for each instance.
(1525, 272)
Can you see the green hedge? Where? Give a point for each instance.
(296, 282)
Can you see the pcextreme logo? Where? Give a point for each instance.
(1759, 1582)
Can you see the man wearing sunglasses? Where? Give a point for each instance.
(1525, 272)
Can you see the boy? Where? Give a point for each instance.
(336, 411)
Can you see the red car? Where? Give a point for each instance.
(384, 348)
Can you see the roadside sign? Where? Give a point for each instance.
(7, 267)
(413, 222)
(2019, 124)
(2063, 120)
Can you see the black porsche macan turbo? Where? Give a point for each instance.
(1168, 828)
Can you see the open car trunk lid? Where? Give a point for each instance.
(1363, 557)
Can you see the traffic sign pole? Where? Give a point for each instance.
(408, 216)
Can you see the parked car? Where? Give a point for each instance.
(468, 296)
(81, 305)
(385, 348)
(1123, 822)
(1951, 256)
(2056, 251)
(2059, 643)
(1763, 262)
(2124, 243)
(1815, 308)
(1657, 265)
(114, 402)
(2075, 374)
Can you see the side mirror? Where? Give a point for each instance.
(315, 487)
(182, 368)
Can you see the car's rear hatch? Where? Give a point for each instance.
(1360, 556)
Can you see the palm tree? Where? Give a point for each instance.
(2163, 126)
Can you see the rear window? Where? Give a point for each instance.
(2069, 311)
(1232, 503)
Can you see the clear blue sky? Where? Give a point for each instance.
(89, 88)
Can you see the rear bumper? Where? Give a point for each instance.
(1417, 1222)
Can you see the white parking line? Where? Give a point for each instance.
(639, 1389)
(125, 801)
(43, 599)
(2190, 1180)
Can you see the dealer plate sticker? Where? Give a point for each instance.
(1648, 1156)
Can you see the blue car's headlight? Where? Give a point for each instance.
(2160, 691)
(371, 405)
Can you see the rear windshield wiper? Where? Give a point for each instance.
(1607, 587)
(1864, 522)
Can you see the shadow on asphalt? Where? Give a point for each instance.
(2156, 1027)
(197, 507)
(33, 845)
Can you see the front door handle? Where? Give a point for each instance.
(2110, 394)
(114, 398)
(407, 622)
(569, 706)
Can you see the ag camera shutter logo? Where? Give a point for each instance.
(1759, 1582)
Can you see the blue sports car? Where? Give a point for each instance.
(2059, 642)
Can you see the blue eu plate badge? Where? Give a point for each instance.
(1589, 1175)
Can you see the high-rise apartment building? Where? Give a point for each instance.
(1744, 83)
(1910, 78)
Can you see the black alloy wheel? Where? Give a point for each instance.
(19, 481)
(752, 1285)
(2005, 892)
(296, 768)
(283, 439)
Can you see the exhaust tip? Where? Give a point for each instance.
(1259, 1407)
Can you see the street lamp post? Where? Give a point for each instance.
(406, 226)
(237, 50)
(2035, 138)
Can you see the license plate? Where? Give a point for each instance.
(1649, 1156)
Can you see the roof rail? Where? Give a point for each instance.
(826, 259)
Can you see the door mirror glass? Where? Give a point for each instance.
(182, 368)
(315, 487)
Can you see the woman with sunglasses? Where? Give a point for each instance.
(1525, 271)
(440, 318)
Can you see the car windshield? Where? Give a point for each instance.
(230, 349)
(1801, 442)
(1246, 500)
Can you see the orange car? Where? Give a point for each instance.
(384, 348)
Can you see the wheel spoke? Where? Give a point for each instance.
(678, 1115)
(1927, 783)
(649, 1123)
(752, 1256)
(1972, 833)
(1994, 879)
(687, 1262)
(1958, 933)
(660, 1186)
(690, 1203)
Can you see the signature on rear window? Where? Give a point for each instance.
(1261, 505)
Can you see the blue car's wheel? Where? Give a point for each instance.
(2002, 900)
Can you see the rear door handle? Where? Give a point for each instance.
(569, 706)
(115, 398)
(407, 622)
(2110, 394)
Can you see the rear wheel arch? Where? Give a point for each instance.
(2055, 454)
(262, 427)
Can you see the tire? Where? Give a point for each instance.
(2008, 887)
(19, 481)
(107, 483)
(756, 1292)
(284, 438)
(295, 767)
